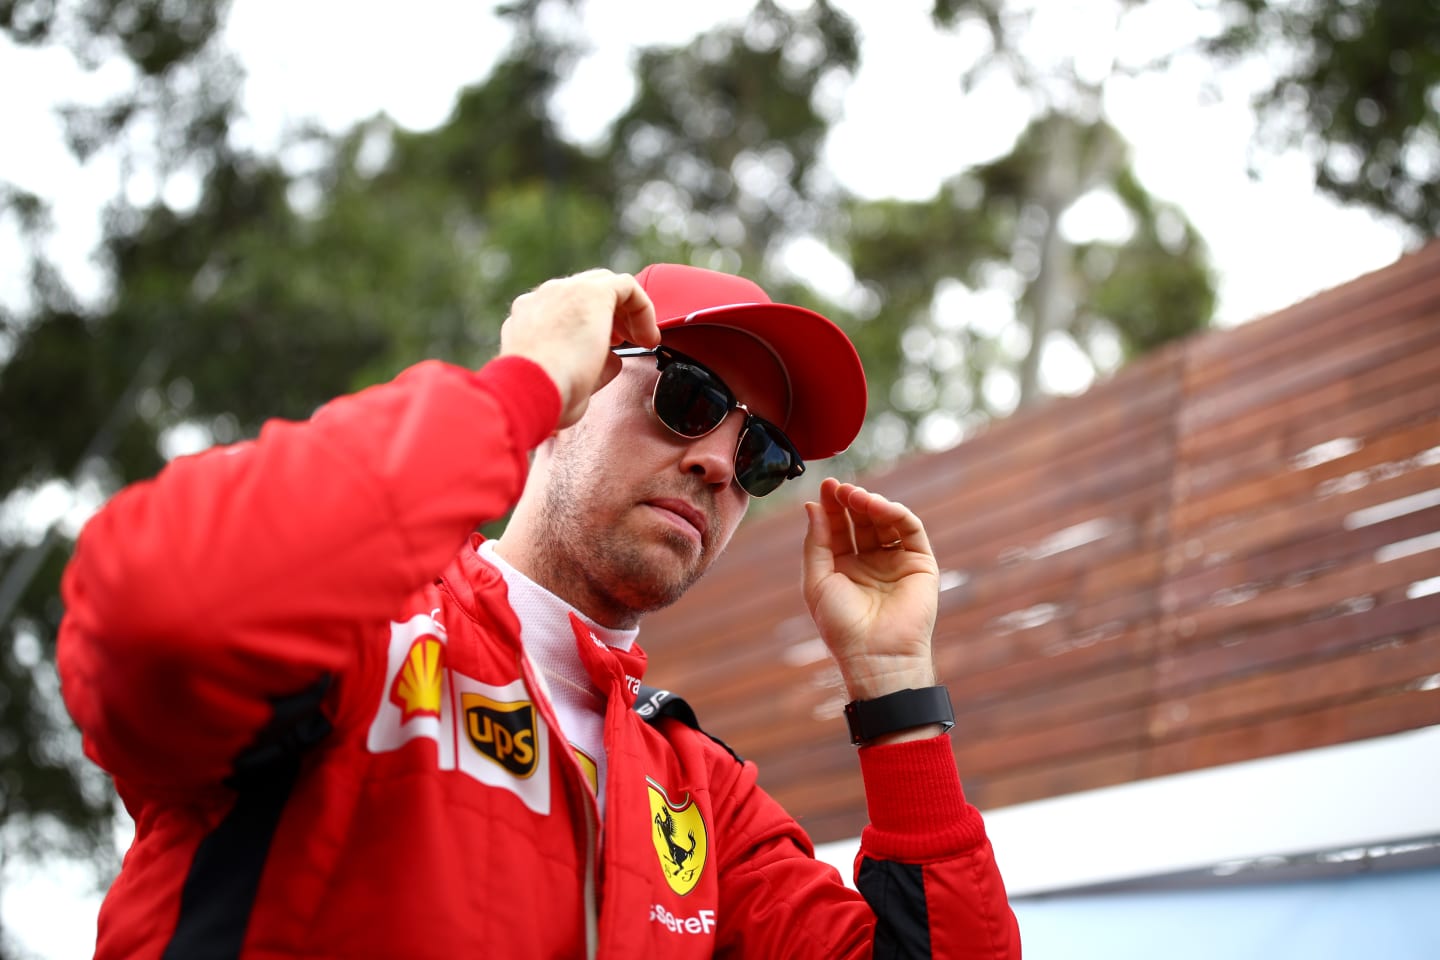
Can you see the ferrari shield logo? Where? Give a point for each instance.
(678, 832)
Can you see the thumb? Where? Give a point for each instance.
(611, 370)
(580, 403)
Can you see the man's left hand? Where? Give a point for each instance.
(873, 588)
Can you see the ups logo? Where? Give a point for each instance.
(503, 732)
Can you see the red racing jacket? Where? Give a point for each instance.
(310, 692)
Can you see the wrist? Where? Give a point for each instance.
(871, 678)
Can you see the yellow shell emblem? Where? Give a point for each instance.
(416, 690)
(681, 842)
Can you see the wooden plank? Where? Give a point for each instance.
(968, 642)
(1309, 598)
(1063, 552)
(843, 824)
(1355, 408)
(990, 756)
(1363, 349)
(1072, 655)
(1289, 484)
(1406, 287)
(1080, 697)
(1291, 562)
(774, 705)
(1374, 413)
(1310, 382)
(1135, 399)
(819, 795)
(1396, 665)
(1295, 522)
(1189, 667)
(730, 634)
(1392, 712)
(1053, 779)
(1008, 514)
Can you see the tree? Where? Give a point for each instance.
(719, 152)
(1354, 86)
(1355, 89)
(999, 229)
(999, 226)
(70, 397)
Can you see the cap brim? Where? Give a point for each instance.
(827, 381)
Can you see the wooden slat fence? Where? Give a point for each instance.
(1230, 550)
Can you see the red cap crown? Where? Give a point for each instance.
(827, 381)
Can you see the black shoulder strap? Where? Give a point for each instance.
(652, 703)
(224, 877)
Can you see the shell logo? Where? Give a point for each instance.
(416, 690)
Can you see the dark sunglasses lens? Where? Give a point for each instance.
(689, 400)
(762, 462)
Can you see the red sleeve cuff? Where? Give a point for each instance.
(527, 394)
(918, 811)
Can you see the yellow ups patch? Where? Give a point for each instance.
(503, 732)
(678, 832)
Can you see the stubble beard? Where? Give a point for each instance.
(602, 571)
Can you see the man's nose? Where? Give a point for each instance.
(712, 456)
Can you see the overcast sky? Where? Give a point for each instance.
(904, 127)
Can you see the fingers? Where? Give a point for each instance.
(567, 326)
(635, 321)
(859, 521)
(632, 314)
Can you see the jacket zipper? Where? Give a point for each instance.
(574, 780)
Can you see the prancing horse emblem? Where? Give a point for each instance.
(679, 837)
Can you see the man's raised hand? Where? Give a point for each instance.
(568, 326)
(873, 589)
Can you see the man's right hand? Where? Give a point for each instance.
(568, 326)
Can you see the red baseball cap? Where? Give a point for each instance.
(826, 379)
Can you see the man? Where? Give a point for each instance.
(348, 727)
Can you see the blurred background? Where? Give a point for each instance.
(216, 212)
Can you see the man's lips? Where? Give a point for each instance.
(685, 511)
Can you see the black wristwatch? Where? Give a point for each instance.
(901, 710)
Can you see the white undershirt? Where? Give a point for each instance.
(549, 641)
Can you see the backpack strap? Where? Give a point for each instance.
(652, 703)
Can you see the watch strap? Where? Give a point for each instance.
(901, 710)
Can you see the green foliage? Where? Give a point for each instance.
(717, 151)
(999, 223)
(1158, 287)
(41, 780)
(1358, 92)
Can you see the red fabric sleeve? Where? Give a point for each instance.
(248, 572)
(919, 818)
(778, 901)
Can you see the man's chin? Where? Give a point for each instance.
(665, 572)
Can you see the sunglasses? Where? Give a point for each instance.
(691, 400)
